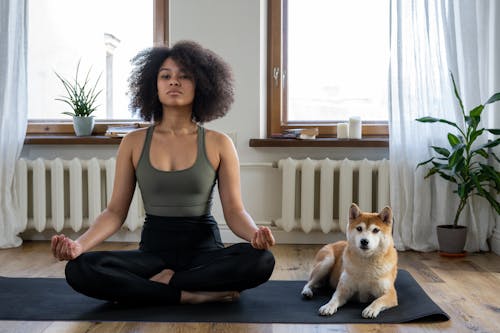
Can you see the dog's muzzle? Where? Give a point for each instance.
(363, 244)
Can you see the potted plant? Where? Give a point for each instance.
(81, 97)
(465, 164)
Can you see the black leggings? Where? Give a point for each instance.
(191, 247)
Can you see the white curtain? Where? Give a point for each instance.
(430, 39)
(13, 111)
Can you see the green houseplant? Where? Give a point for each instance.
(81, 97)
(464, 164)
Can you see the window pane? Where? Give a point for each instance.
(338, 56)
(102, 35)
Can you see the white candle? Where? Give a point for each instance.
(342, 130)
(355, 127)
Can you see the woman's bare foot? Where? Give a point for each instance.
(196, 297)
(164, 276)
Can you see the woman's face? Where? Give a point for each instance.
(175, 85)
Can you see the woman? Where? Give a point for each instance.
(176, 163)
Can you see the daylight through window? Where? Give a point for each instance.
(102, 35)
(337, 59)
(328, 60)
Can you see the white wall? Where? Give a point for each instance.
(235, 29)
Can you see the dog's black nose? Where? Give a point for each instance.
(364, 242)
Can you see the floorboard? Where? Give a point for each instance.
(468, 289)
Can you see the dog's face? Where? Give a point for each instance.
(369, 233)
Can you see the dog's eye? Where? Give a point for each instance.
(376, 230)
(359, 229)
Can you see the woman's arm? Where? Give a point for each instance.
(237, 218)
(111, 219)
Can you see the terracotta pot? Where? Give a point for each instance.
(451, 239)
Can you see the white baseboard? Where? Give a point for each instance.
(495, 240)
(228, 237)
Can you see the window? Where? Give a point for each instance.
(328, 60)
(103, 36)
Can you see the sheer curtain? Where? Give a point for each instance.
(13, 111)
(430, 39)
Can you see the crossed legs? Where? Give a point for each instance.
(138, 276)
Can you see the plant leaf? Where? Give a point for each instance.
(473, 122)
(457, 95)
(495, 131)
(436, 120)
(490, 144)
(427, 119)
(495, 156)
(491, 173)
(456, 156)
(479, 188)
(493, 202)
(430, 173)
(480, 152)
(425, 162)
(453, 140)
(440, 165)
(475, 134)
(447, 177)
(493, 98)
(458, 167)
(80, 97)
(476, 112)
(462, 191)
(441, 151)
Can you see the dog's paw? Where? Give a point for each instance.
(371, 311)
(307, 292)
(328, 309)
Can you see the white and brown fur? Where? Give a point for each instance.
(365, 265)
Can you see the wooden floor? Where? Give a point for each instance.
(468, 289)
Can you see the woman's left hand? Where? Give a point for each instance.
(263, 239)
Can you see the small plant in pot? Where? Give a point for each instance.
(81, 97)
(465, 164)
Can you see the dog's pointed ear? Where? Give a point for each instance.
(354, 211)
(386, 215)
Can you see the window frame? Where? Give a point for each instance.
(65, 127)
(277, 83)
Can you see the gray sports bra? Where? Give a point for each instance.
(186, 192)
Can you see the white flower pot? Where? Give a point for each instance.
(83, 125)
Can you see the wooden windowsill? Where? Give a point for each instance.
(70, 139)
(368, 142)
(62, 133)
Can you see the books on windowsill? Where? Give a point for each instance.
(121, 130)
(298, 133)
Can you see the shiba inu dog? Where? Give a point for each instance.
(365, 265)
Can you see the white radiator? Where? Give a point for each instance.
(62, 194)
(317, 194)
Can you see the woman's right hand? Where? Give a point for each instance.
(64, 248)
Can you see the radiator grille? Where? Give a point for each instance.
(62, 194)
(317, 194)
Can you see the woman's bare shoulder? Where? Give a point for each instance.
(135, 137)
(218, 138)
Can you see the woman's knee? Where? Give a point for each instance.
(265, 263)
(80, 271)
(260, 263)
(73, 272)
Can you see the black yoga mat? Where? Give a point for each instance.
(273, 302)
